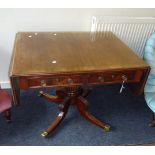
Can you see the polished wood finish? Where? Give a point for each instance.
(74, 96)
(53, 53)
(82, 105)
(63, 111)
(72, 60)
(14, 81)
(62, 80)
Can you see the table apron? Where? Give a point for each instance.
(69, 80)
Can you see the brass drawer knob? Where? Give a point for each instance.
(43, 83)
(124, 78)
(100, 79)
(70, 81)
(57, 80)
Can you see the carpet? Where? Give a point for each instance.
(126, 113)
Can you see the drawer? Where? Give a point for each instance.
(51, 81)
(115, 77)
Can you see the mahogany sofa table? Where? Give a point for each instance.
(73, 61)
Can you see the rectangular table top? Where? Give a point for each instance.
(69, 52)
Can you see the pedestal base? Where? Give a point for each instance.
(65, 98)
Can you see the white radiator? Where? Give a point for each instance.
(133, 31)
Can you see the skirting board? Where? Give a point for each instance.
(5, 84)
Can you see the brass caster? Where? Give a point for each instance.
(107, 128)
(44, 134)
(40, 93)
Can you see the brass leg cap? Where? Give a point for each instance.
(40, 93)
(107, 128)
(44, 134)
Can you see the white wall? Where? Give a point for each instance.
(14, 20)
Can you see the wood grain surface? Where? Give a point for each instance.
(68, 52)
